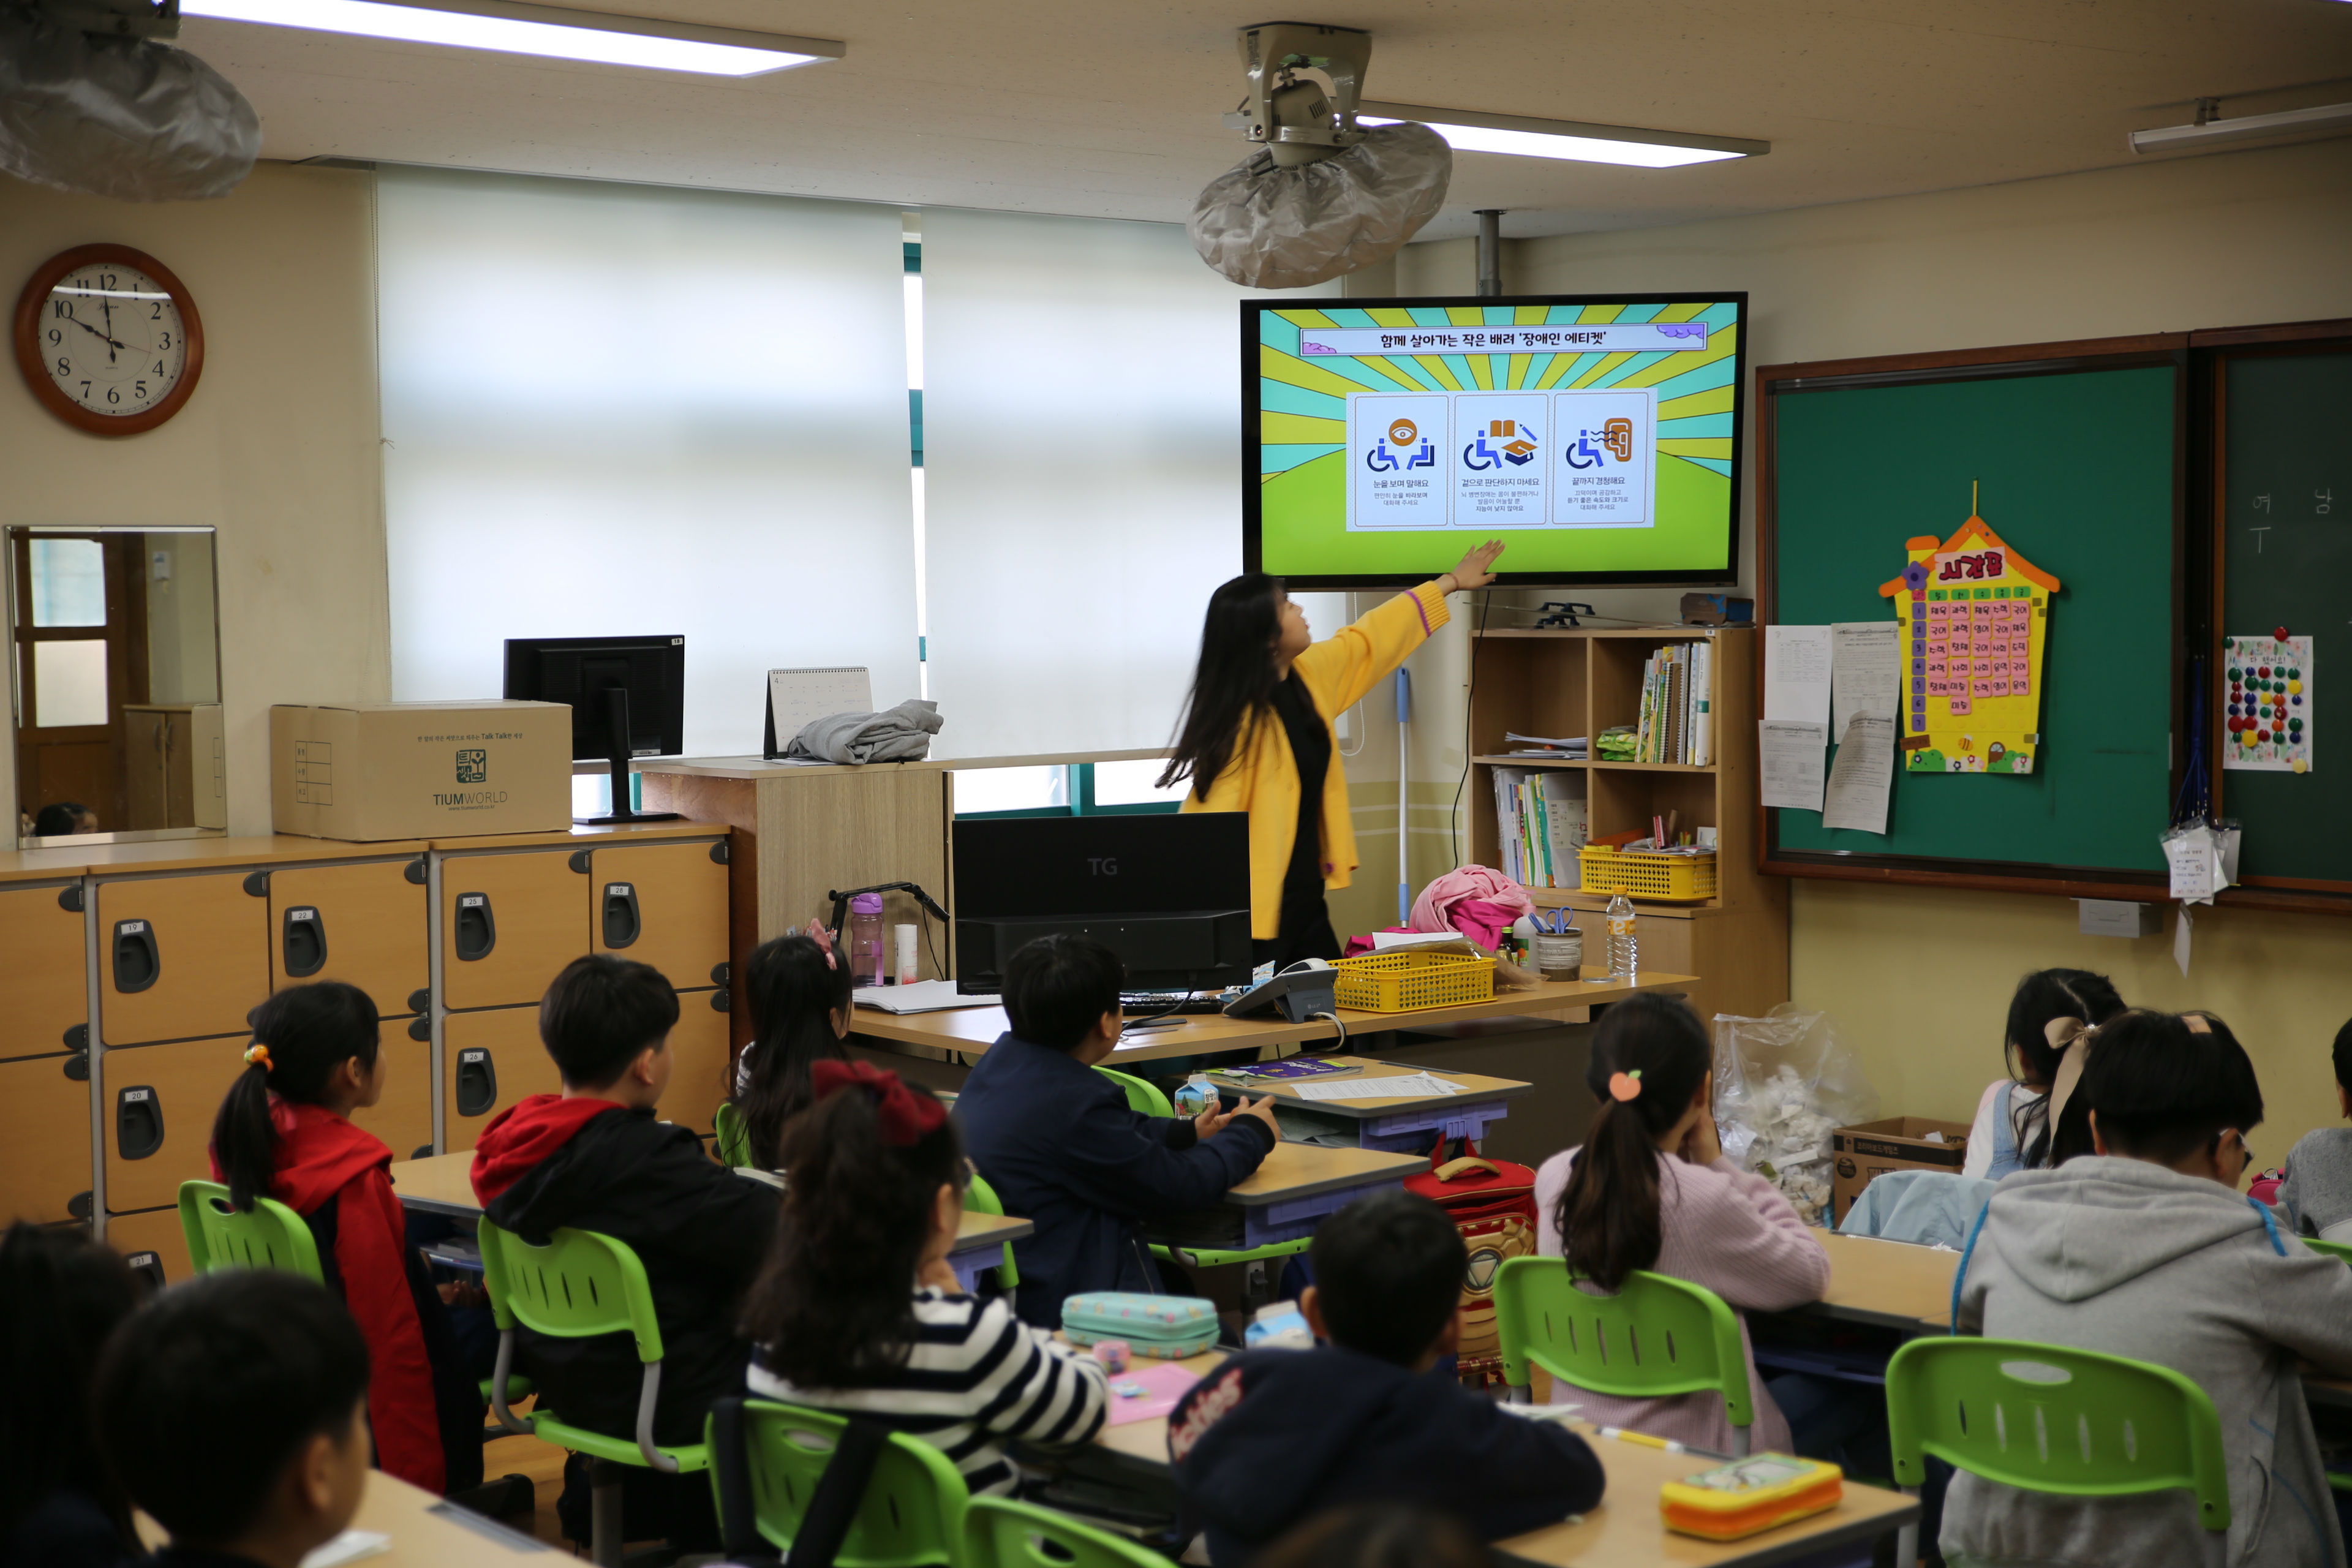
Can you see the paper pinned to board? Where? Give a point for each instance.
(1797, 674)
(1790, 754)
(1865, 670)
(1861, 774)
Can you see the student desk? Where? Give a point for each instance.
(442, 1184)
(1887, 1284)
(1401, 1122)
(1298, 1184)
(426, 1531)
(969, 1031)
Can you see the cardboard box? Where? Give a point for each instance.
(1871, 1149)
(369, 771)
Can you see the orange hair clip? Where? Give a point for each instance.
(257, 1055)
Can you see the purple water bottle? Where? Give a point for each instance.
(865, 939)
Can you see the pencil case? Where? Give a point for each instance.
(1749, 1495)
(1165, 1328)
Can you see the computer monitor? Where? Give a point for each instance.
(627, 697)
(1169, 893)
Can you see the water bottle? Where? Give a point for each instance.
(1622, 960)
(865, 939)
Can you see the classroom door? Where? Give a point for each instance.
(81, 654)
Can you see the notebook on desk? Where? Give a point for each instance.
(922, 997)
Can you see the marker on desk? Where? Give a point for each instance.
(1668, 1443)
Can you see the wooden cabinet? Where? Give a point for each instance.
(403, 1117)
(179, 956)
(509, 922)
(153, 1243)
(698, 1074)
(41, 949)
(663, 904)
(490, 1061)
(157, 1105)
(44, 1163)
(361, 921)
(171, 765)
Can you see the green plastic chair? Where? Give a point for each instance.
(578, 1285)
(1146, 1098)
(2052, 1419)
(999, 1533)
(2339, 1250)
(1657, 1337)
(268, 1235)
(980, 1198)
(734, 1137)
(913, 1509)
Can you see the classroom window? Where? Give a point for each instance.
(69, 583)
(1131, 786)
(1074, 789)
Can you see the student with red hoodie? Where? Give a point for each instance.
(282, 1133)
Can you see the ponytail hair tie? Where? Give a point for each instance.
(257, 1055)
(823, 939)
(906, 1118)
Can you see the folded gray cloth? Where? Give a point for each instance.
(901, 734)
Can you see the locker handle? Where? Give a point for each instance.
(477, 1082)
(138, 1121)
(420, 1027)
(138, 962)
(476, 927)
(149, 1266)
(303, 941)
(621, 924)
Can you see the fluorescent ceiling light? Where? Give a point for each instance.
(547, 31)
(2243, 128)
(1521, 136)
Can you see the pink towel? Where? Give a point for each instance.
(1478, 902)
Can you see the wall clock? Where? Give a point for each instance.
(109, 339)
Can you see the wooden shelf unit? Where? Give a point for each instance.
(1580, 682)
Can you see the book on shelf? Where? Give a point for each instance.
(1676, 723)
(1540, 826)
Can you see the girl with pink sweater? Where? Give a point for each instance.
(1651, 1189)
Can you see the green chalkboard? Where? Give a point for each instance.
(2075, 473)
(2285, 506)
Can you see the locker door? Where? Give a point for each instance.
(157, 1105)
(663, 904)
(508, 925)
(403, 1117)
(179, 956)
(363, 923)
(697, 1078)
(44, 1138)
(41, 951)
(490, 1060)
(154, 1243)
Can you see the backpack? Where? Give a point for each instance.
(1494, 1203)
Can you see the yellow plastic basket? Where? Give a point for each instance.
(1403, 982)
(1641, 875)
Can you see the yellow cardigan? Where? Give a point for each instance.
(1263, 778)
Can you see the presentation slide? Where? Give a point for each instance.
(1597, 436)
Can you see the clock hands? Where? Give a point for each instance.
(111, 344)
(107, 305)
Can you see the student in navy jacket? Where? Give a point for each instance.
(1274, 1437)
(1057, 1142)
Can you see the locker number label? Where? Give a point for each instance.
(616, 889)
(133, 928)
(301, 914)
(473, 1056)
(133, 1096)
(472, 901)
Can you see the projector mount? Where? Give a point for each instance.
(1298, 122)
(115, 18)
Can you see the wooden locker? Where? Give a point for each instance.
(41, 950)
(157, 1105)
(154, 1243)
(44, 1138)
(663, 904)
(697, 1078)
(179, 956)
(403, 1117)
(490, 1061)
(362, 922)
(508, 925)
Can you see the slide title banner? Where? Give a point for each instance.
(1597, 337)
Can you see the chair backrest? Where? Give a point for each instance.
(1656, 1337)
(734, 1136)
(1140, 1096)
(980, 1198)
(999, 1533)
(913, 1510)
(268, 1236)
(2049, 1418)
(2339, 1250)
(578, 1285)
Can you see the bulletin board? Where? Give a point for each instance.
(2076, 453)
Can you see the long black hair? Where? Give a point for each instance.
(308, 1031)
(793, 994)
(834, 1306)
(1234, 684)
(1609, 1216)
(2041, 997)
(61, 1295)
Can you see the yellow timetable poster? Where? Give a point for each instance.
(1975, 616)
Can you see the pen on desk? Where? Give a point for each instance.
(1668, 1443)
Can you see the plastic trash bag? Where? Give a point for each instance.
(1270, 227)
(127, 118)
(1783, 1083)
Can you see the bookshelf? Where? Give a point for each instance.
(1580, 681)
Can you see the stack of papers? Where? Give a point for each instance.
(1405, 1086)
(923, 996)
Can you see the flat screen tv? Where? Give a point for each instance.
(1598, 435)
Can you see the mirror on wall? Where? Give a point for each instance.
(114, 668)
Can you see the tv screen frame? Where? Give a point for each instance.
(1253, 494)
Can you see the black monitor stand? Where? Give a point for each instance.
(617, 744)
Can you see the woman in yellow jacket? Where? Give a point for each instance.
(1256, 737)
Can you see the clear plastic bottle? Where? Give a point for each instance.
(1624, 957)
(865, 939)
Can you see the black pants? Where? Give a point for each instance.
(1305, 932)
